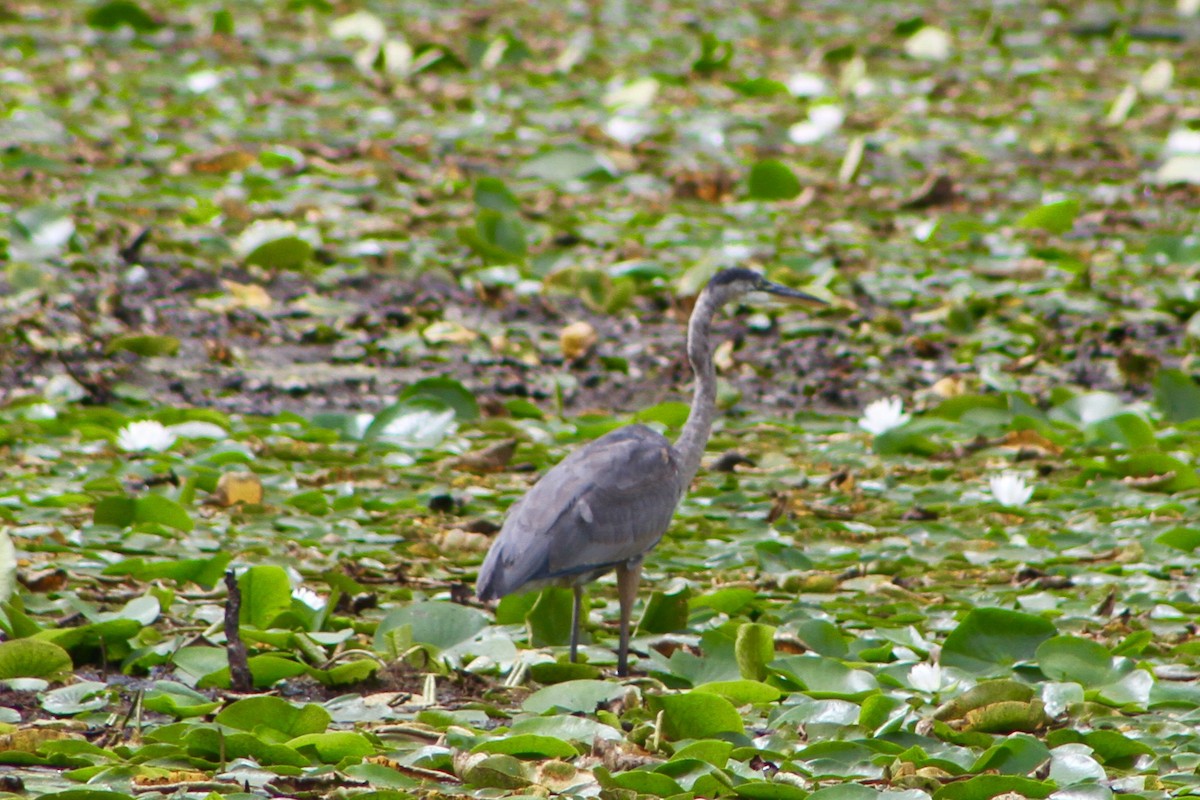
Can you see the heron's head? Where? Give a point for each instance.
(731, 284)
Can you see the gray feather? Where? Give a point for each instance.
(606, 503)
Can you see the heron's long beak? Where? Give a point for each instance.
(794, 294)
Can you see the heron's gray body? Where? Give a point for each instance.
(603, 505)
(607, 504)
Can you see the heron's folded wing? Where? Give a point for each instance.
(607, 502)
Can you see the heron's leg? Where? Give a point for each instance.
(576, 613)
(629, 575)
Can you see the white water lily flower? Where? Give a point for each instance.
(927, 678)
(883, 415)
(822, 120)
(145, 435)
(627, 130)
(1009, 489)
(309, 598)
(40, 411)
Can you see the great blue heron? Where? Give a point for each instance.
(608, 503)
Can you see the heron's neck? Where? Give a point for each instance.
(694, 437)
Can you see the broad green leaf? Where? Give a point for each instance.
(572, 697)
(1185, 539)
(549, 619)
(743, 691)
(696, 715)
(276, 244)
(769, 790)
(1162, 472)
(712, 751)
(440, 624)
(1177, 395)
(144, 345)
(266, 593)
(1057, 217)
(755, 648)
(162, 510)
(77, 698)
(1128, 430)
(989, 640)
(122, 13)
(772, 180)
(276, 715)
(177, 700)
(641, 781)
(564, 165)
(496, 771)
(846, 791)
(666, 613)
(492, 193)
(204, 572)
(985, 787)
(332, 747)
(30, 658)
(1073, 658)
(825, 677)
(528, 746)
(447, 390)
(499, 238)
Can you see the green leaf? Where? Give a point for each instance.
(549, 619)
(448, 391)
(1017, 755)
(333, 746)
(528, 746)
(991, 639)
(31, 658)
(498, 771)
(440, 624)
(1073, 658)
(1127, 430)
(754, 648)
(267, 713)
(276, 244)
(1165, 473)
(563, 166)
(116, 511)
(769, 790)
(715, 54)
(666, 613)
(497, 237)
(162, 510)
(696, 715)
(743, 691)
(759, 87)
(822, 637)
(204, 572)
(1057, 217)
(985, 787)
(144, 345)
(826, 677)
(671, 413)
(572, 697)
(177, 700)
(266, 593)
(118, 13)
(846, 791)
(492, 193)
(1185, 539)
(1177, 395)
(772, 180)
